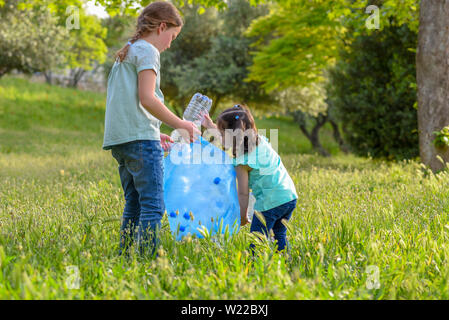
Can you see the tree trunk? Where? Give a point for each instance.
(48, 77)
(3, 71)
(313, 136)
(76, 75)
(432, 75)
(337, 137)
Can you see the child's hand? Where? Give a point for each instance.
(189, 131)
(207, 121)
(244, 221)
(165, 142)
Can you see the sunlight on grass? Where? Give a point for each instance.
(61, 204)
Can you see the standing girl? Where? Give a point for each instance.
(259, 168)
(134, 111)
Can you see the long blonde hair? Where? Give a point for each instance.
(149, 20)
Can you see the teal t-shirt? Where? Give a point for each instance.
(270, 182)
(126, 119)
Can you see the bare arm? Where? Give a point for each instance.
(243, 191)
(147, 85)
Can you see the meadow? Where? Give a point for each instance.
(363, 228)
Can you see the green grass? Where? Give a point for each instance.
(61, 203)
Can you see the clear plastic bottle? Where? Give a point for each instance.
(251, 204)
(194, 108)
(197, 105)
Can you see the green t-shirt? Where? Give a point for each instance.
(269, 180)
(126, 119)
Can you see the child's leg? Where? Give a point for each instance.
(131, 211)
(148, 180)
(279, 229)
(273, 218)
(258, 226)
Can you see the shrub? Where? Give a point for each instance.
(373, 88)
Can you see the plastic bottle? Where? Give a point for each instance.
(197, 105)
(194, 108)
(251, 203)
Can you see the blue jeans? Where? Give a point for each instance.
(141, 174)
(273, 218)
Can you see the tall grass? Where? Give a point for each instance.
(61, 203)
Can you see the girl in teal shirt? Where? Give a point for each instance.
(259, 168)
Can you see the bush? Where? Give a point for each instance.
(30, 40)
(373, 88)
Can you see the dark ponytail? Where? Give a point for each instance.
(240, 120)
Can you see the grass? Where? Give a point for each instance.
(61, 203)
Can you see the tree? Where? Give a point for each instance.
(119, 29)
(432, 70)
(187, 47)
(131, 7)
(373, 89)
(84, 49)
(305, 105)
(214, 63)
(220, 72)
(296, 42)
(87, 49)
(351, 15)
(33, 44)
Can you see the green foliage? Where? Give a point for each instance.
(215, 61)
(353, 14)
(300, 38)
(86, 45)
(84, 48)
(131, 7)
(373, 88)
(442, 138)
(30, 40)
(187, 47)
(119, 30)
(296, 41)
(310, 99)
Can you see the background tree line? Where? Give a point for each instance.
(316, 61)
(47, 36)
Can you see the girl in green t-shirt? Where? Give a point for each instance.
(134, 111)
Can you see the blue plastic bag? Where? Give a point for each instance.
(200, 190)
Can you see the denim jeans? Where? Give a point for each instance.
(141, 174)
(273, 218)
